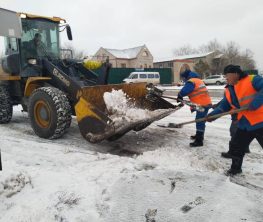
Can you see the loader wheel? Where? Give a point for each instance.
(49, 112)
(6, 106)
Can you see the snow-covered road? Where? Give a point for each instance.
(70, 180)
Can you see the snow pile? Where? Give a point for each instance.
(116, 101)
(71, 180)
(122, 109)
(14, 184)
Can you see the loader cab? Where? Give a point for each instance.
(39, 38)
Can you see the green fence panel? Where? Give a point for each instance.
(165, 74)
(117, 75)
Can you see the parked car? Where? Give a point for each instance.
(215, 80)
(179, 83)
(149, 77)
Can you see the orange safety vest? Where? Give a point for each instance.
(245, 93)
(200, 94)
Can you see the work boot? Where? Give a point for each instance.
(198, 140)
(233, 172)
(235, 167)
(226, 155)
(247, 150)
(196, 143)
(193, 137)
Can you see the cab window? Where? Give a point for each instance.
(10, 46)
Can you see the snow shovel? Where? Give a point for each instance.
(155, 94)
(180, 125)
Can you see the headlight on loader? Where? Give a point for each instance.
(32, 61)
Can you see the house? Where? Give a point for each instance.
(179, 63)
(137, 57)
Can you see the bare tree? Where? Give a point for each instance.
(211, 46)
(75, 53)
(234, 55)
(202, 68)
(230, 53)
(246, 60)
(185, 50)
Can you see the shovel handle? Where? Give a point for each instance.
(188, 103)
(214, 116)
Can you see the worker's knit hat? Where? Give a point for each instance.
(234, 69)
(185, 73)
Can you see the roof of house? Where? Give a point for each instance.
(185, 57)
(130, 53)
(219, 56)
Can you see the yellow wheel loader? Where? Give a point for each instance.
(52, 90)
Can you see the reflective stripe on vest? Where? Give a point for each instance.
(196, 94)
(200, 93)
(247, 98)
(245, 93)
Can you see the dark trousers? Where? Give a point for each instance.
(242, 140)
(233, 129)
(200, 127)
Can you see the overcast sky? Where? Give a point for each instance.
(162, 25)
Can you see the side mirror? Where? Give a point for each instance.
(69, 33)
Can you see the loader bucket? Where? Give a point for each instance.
(96, 123)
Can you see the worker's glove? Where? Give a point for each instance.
(214, 106)
(210, 120)
(192, 109)
(180, 105)
(179, 98)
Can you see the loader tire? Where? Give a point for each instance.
(49, 112)
(6, 106)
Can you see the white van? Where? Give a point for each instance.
(149, 77)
